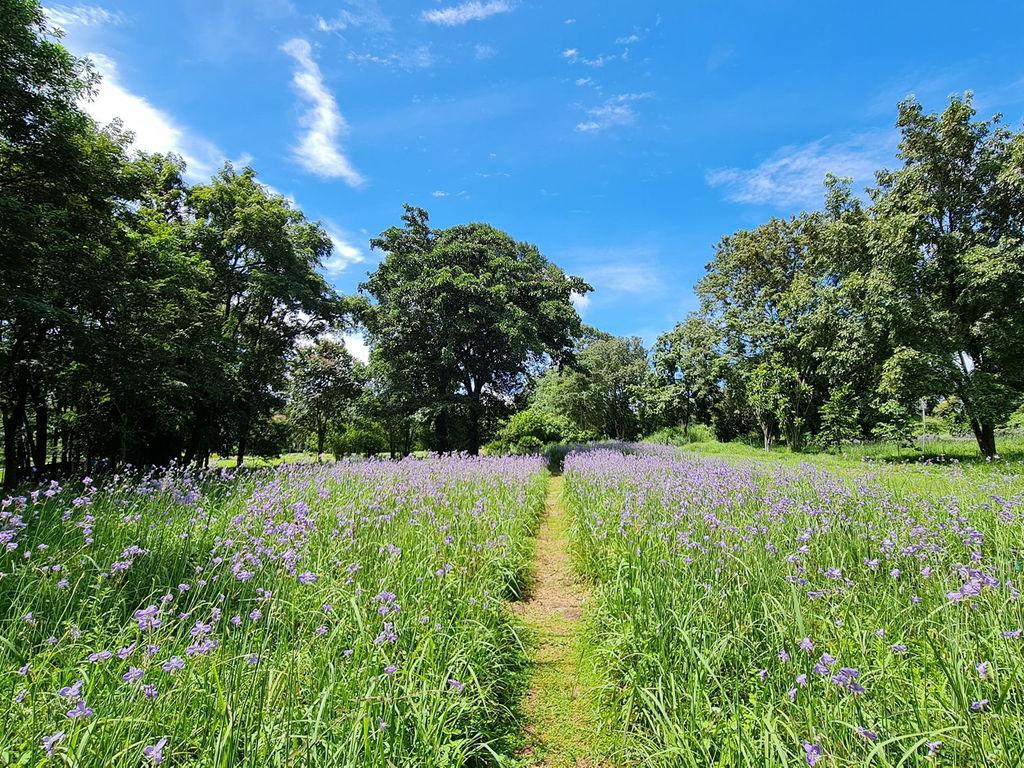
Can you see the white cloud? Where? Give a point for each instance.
(570, 21)
(635, 279)
(318, 150)
(154, 130)
(580, 300)
(628, 40)
(66, 16)
(584, 81)
(484, 52)
(356, 345)
(439, 193)
(793, 175)
(418, 58)
(475, 10)
(344, 254)
(362, 13)
(571, 54)
(616, 112)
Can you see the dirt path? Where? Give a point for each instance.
(564, 725)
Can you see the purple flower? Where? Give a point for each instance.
(984, 668)
(812, 753)
(307, 577)
(899, 649)
(763, 674)
(73, 692)
(80, 710)
(172, 664)
(133, 674)
(806, 645)
(456, 685)
(149, 691)
(979, 706)
(783, 656)
(864, 733)
(50, 741)
(155, 752)
(99, 656)
(390, 669)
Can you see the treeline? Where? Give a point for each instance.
(839, 324)
(142, 319)
(835, 325)
(145, 320)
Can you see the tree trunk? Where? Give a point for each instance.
(473, 438)
(769, 439)
(243, 441)
(985, 434)
(42, 431)
(441, 432)
(321, 441)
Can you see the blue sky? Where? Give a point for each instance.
(623, 138)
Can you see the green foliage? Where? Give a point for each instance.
(458, 314)
(840, 418)
(696, 433)
(605, 390)
(359, 438)
(141, 320)
(528, 431)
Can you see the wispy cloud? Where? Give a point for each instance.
(628, 40)
(793, 175)
(153, 129)
(475, 10)
(484, 52)
(616, 112)
(580, 300)
(67, 16)
(573, 56)
(417, 58)
(318, 150)
(360, 13)
(345, 253)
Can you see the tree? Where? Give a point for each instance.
(264, 256)
(950, 240)
(686, 363)
(839, 418)
(464, 311)
(324, 382)
(60, 187)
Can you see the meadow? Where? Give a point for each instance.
(351, 613)
(777, 613)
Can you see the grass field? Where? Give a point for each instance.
(785, 613)
(308, 615)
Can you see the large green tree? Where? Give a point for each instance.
(949, 240)
(463, 312)
(323, 384)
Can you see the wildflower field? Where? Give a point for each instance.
(761, 614)
(308, 615)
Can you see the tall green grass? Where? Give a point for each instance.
(758, 613)
(349, 614)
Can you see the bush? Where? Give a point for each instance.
(528, 431)
(698, 433)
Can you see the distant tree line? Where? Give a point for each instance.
(837, 324)
(145, 320)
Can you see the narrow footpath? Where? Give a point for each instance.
(563, 720)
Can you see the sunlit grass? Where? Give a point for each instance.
(343, 614)
(761, 613)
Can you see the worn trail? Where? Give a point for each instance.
(563, 720)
